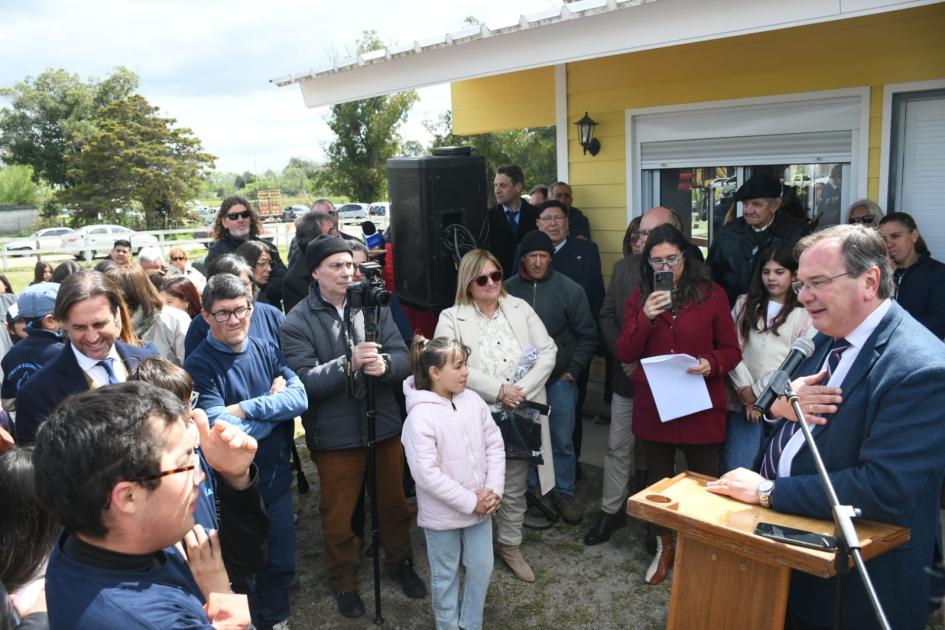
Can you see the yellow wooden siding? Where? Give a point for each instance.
(506, 101)
(872, 51)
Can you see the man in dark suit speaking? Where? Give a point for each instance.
(89, 308)
(875, 395)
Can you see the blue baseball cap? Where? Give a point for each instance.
(37, 300)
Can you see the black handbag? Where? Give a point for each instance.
(521, 432)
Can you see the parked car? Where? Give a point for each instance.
(353, 211)
(293, 212)
(93, 240)
(48, 238)
(379, 209)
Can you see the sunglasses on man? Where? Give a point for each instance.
(233, 216)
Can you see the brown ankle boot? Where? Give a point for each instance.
(662, 561)
(513, 558)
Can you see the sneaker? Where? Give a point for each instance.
(568, 509)
(350, 604)
(408, 579)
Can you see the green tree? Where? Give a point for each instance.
(366, 136)
(46, 112)
(17, 186)
(134, 157)
(533, 149)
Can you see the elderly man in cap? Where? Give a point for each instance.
(36, 304)
(323, 339)
(563, 308)
(734, 252)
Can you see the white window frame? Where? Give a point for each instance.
(859, 163)
(889, 91)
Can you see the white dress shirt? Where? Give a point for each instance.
(96, 372)
(856, 339)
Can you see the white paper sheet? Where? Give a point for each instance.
(676, 392)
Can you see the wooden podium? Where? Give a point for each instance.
(725, 576)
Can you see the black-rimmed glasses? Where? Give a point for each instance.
(240, 314)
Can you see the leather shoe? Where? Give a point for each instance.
(567, 508)
(350, 604)
(663, 561)
(512, 557)
(603, 527)
(409, 581)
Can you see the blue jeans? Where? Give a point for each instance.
(445, 548)
(271, 588)
(562, 396)
(743, 442)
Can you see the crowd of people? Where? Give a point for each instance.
(149, 407)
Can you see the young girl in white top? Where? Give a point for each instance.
(457, 459)
(769, 319)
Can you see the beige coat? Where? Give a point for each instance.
(459, 322)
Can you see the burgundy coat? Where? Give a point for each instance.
(702, 330)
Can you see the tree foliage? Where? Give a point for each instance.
(533, 149)
(46, 112)
(17, 186)
(366, 136)
(132, 157)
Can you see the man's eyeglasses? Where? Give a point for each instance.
(554, 218)
(669, 261)
(866, 219)
(262, 264)
(240, 313)
(233, 216)
(483, 280)
(816, 284)
(178, 258)
(194, 465)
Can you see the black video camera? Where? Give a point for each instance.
(371, 290)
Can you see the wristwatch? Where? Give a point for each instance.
(386, 359)
(765, 488)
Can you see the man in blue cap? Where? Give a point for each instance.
(35, 304)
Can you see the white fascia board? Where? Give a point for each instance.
(599, 32)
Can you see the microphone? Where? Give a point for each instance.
(372, 238)
(780, 379)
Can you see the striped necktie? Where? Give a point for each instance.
(769, 465)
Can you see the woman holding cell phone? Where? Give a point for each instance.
(677, 309)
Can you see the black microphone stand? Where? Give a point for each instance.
(370, 334)
(843, 515)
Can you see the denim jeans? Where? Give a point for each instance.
(445, 550)
(743, 442)
(562, 396)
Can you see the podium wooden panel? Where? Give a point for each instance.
(725, 576)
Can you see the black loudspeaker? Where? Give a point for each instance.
(428, 194)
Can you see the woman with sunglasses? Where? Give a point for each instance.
(498, 328)
(865, 212)
(693, 318)
(180, 266)
(236, 224)
(919, 278)
(257, 256)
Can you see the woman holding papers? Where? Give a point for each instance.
(693, 318)
(769, 319)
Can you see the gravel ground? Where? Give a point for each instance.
(576, 587)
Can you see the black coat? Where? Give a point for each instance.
(735, 250)
(502, 243)
(229, 244)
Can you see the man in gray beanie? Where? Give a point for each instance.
(562, 306)
(323, 342)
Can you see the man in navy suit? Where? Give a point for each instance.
(876, 396)
(89, 309)
(511, 218)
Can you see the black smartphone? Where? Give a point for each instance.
(798, 537)
(662, 280)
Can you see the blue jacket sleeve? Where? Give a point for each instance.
(285, 405)
(212, 402)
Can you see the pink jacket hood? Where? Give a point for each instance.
(454, 449)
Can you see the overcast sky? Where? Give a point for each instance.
(208, 62)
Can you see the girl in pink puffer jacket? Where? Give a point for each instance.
(457, 459)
